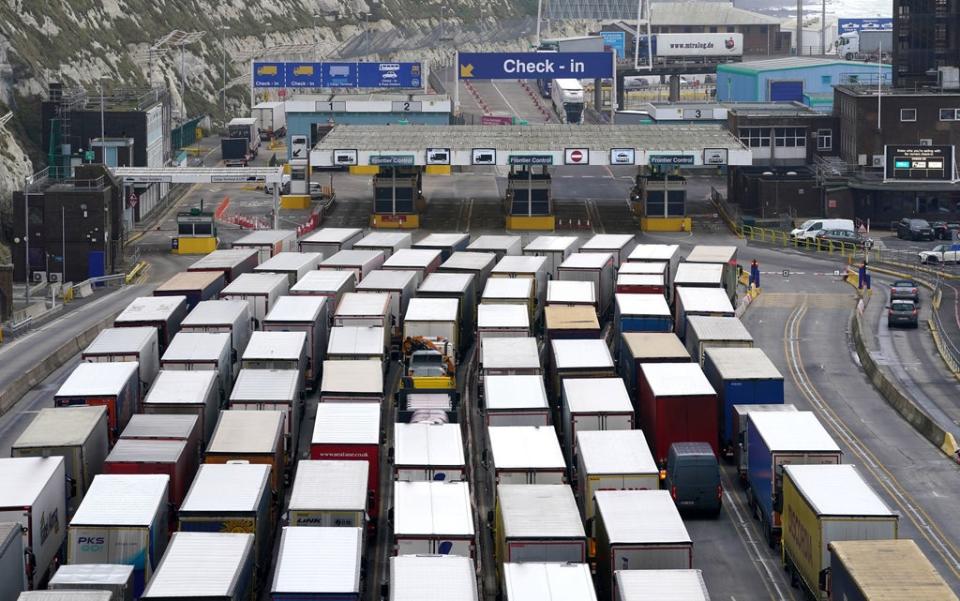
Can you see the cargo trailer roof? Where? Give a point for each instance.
(704, 300)
(508, 288)
(364, 304)
(197, 346)
(640, 517)
(347, 423)
(571, 292)
(266, 237)
(432, 578)
(247, 432)
(539, 511)
(412, 258)
(224, 258)
(571, 317)
(596, 395)
(493, 242)
(151, 308)
(551, 244)
(323, 281)
(525, 447)
(739, 363)
(227, 487)
(330, 485)
(506, 353)
(653, 252)
(108, 574)
(299, 309)
(704, 274)
(134, 450)
(65, 595)
(160, 425)
(200, 564)
(383, 239)
(705, 253)
(61, 427)
(446, 282)
(256, 283)
(279, 385)
(427, 444)
(503, 393)
(718, 328)
(792, 431)
(91, 379)
(663, 585)
(676, 379)
(318, 561)
(591, 353)
(640, 279)
(382, 279)
(586, 260)
(642, 268)
(352, 376)
(607, 242)
(470, 261)
(764, 407)
(22, 479)
(647, 305)
(275, 345)
(122, 500)
(216, 313)
(356, 340)
(502, 316)
(354, 257)
(179, 386)
(655, 345)
(432, 309)
(520, 264)
(429, 402)
(336, 235)
(615, 452)
(115, 341)
(441, 240)
(432, 508)
(837, 490)
(289, 261)
(891, 570)
(548, 582)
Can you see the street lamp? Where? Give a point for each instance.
(223, 49)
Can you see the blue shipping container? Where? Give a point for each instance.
(633, 323)
(741, 376)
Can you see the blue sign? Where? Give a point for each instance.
(389, 75)
(868, 24)
(268, 75)
(339, 75)
(535, 65)
(303, 75)
(616, 40)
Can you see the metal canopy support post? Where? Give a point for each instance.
(276, 205)
(393, 191)
(456, 81)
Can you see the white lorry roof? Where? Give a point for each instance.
(91, 379)
(384, 239)
(414, 258)
(275, 345)
(428, 445)
(196, 346)
(318, 560)
(224, 258)
(642, 268)
(227, 487)
(662, 585)
(364, 376)
(704, 300)
(108, 574)
(122, 500)
(836, 490)
(705, 253)
(641, 279)
(216, 313)
(704, 274)
(493, 242)
(323, 281)
(738, 363)
(306, 309)
(607, 241)
(363, 304)
(571, 292)
(280, 385)
(246, 432)
(596, 395)
(514, 392)
(539, 511)
(150, 308)
(432, 508)
(615, 452)
(23, 478)
(548, 582)
(65, 595)
(792, 431)
(347, 423)
(289, 261)
(439, 240)
(332, 234)
(355, 340)
(446, 282)
(266, 237)
(643, 304)
(588, 353)
(60, 427)
(551, 243)
(676, 379)
(353, 257)
(383, 279)
(432, 578)
(112, 341)
(502, 316)
(655, 345)
(586, 260)
(640, 516)
(509, 288)
(520, 264)
(718, 328)
(432, 309)
(469, 261)
(200, 564)
(507, 353)
(330, 485)
(525, 447)
(157, 425)
(136, 450)
(653, 252)
(256, 283)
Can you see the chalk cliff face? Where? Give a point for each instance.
(80, 42)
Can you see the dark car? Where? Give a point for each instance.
(914, 229)
(905, 290)
(693, 478)
(845, 236)
(943, 230)
(902, 313)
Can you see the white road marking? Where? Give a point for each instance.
(509, 106)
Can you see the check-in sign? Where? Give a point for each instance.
(535, 65)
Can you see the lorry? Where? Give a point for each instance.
(415, 577)
(712, 302)
(554, 248)
(823, 504)
(317, 564)
(197, 286)
(241, 143)
(332, 285)
(231, 262)
(360, 262)
(428, 451)
(441, 407)
(352, 381)
(365, 309)
(671, 48)
(641, 283)
(619, 245)
(328, 241)
(202, 566)
(566, 96)
(165, 457)
(162, 312)
(186, 392)
(433, 517)
(350, 343)
(512, 291)
(447, 244)
(307, 314)
(385, 242)
(115, 578)
(78, 434)
(113, 385)
(166, 427)
(641, 313)
(638, 530)
(725, 256)
(330, 493)
(260, 290)
(741, 418)
(536, 580)
(698, 275)
(516, 400)
(635, 585)
(196, 351)
(593, 404)
(294, 265)
(421, 261)
(350, 432)
(461, 286)
(268, 243)
(596, 267)
(510, 356)
(33, 494)
(496, 320)
(704, 332)
(573, 358)
(533, 267)
(13, 571)
(526, 455)
(873, 570)
(430, 336)
(676, 403)
(276, 350)
(521, 534)
(668, 254)
(272, 390)
(637, 348)
(401, 286)
(230, 316)
(571, 321)
(478, 264)
(564, 292)
(254, 437)
(272, 117)
(123, 519)
(865, 45)
(499, 245)
(139, 345)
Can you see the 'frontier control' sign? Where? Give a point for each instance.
(535, 65)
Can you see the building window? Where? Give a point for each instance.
(790, 137)
(824, 139)
(908, 114)
(826, 79)
(950, 114)
(755, 137)
(713, 29)
(731, 29)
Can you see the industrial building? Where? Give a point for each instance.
(926, 36)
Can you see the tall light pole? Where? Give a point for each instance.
(316, 45)
(223, 50)
(103, 147)
(26, 237)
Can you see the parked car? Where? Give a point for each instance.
(905, 290)
(943, 230)
(845, 236)
(914, 229)
(941, 253)
(902, 313)
(693, 477)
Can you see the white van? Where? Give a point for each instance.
(811, 227)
